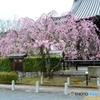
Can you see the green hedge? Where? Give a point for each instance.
(34, 64)
(5, 64)
(54, 61)
(31, 64)
(8, 77)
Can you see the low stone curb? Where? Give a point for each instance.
(96, 87)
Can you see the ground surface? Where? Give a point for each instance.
(23, 95)
(74, 81)
(27, 92)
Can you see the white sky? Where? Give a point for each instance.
(32, 8)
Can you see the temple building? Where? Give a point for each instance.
(85, 8)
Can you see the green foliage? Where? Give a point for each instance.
(5, 64)
(34, 64)
(31, 64)
(54, 61)
(8, 77)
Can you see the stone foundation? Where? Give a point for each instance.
(94, 71)
(30, 74)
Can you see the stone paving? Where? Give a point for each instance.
(23, 95)
(53, 92)
(49, 89)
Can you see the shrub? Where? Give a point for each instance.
(34, 64)
(54, 61)
(8, 77)
(31, 64)
(5, 64)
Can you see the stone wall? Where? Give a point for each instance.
(30, 74)
(94, 71)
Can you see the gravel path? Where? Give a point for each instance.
(23, 95)
(27, 92)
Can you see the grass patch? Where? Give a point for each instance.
(78, 84)
(57, 81)
(77, 80)
(29, 80)
(92, 98)
(46, 80)
(81, 82)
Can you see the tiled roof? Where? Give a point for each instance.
(17, 55)
(84, 8)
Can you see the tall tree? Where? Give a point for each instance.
(42, 38)
(16, 40)
(78, 38)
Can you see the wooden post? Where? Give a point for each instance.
(19, 78)
(13, 85)
(37, 87)
(98, 83)
(76, 65)
(99, 89)
(68, 80)
(63, 65)
(66, 89)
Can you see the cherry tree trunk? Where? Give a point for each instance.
(43, 59)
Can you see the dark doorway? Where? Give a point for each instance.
(17, 61)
